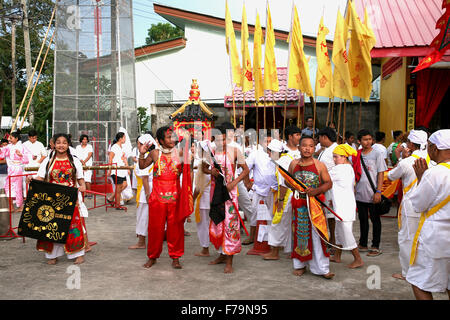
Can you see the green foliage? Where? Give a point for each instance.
(163, 31)
(143, 118)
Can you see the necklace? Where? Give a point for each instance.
(164, 150)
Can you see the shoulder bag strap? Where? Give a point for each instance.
(368, 175)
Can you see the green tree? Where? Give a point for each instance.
(143, 118)
(163, 31)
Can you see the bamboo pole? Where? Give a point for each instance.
(243, 123)
(284, 114)
(257, 119)
(339, 117)
(328, 111)
(273, 110)
(345, 113)
(234, 109)
(332, 111)
(36, 82)
(30, 80)
(359, 117)
(314, 116)
(298, 109)
(264, 111)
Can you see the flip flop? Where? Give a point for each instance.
(362, 249)
(374, 252)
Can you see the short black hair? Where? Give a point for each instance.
(397, 133)
(291, 130)
(424, 129)
(329, 132)
(218, 130)
(32, 133)
(307, 118)
(379, 135)
(4, 140)
(304, 137)
(83, 136)
(364, 132)
(161, 133)
(348, 134)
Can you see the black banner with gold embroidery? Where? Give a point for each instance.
(47, 211)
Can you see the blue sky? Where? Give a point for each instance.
(309, 13)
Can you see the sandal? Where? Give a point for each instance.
(373, 252)
(362, 249)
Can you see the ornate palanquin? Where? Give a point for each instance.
(194, 114)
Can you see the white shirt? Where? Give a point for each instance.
(117, 159)
(82, 153)
(381, 149)
(433, 188)
(285, 162)
(326, 156)
(148, 171)
(43, 167)
(343, 191)
(263, 172)
(36, 149)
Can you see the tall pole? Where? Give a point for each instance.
(345, 112)
(359, 117)
(314, 116)
(26, 39)
(339, 117)
(13, 63)
(284, 113)
(328, 112)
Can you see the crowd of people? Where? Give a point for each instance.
(341, 180)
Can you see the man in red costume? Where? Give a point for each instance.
(165, 200)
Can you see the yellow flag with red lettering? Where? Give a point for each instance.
(232, 51)
(246, 75)
(298, 64)
(342, 84)
(270, 66)
(324, 76)
(360, 62)
(257, 56)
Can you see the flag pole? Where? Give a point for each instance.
(304, 109)
(343, 127)
(328, 111)
(273, 110)
(359, 118)
(234, 109)
(314, 116)
(284, 113)
(339, 118)
(264, 110)
(298, 108)
(332, 111)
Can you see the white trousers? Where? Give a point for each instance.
(405, 240)
(344, 234)
(203, 228)
(58, 251)
(245, 203)
(428, 274)
(142, 219)
(87, 175)
(280, 234)
(319, 264)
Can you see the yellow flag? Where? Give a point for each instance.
(360, 61)
(257, 56)
(270, 66)
(324, 75)
(246, 75)
(342, 85)
(298, 64)
(231, 48)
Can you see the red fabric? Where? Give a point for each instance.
(159, 214)
(432, 84)
(357, 165)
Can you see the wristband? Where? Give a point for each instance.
(280, 199)
(378, 191)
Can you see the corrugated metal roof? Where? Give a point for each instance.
(402, 23)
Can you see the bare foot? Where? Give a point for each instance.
(270, 256)
(203, 253)
(398, 276)
(79, 260)
(137, 246)
(219, 260)
(149, 263)
(334, 259)
(355, 264)
(299, 272)
(228, 268)
(52, 261)
(176, 264)
(329, 275)
(87, 249)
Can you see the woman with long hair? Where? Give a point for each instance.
(117, 156)
(62, 168)
(16, 156)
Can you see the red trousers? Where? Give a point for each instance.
(159, 214)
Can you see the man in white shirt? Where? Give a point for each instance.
(327, 139)
(84, 152)
(430, 254)
(280, 231)
(37, 150)
(408, 219)
(380, 137)
(265, 183)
